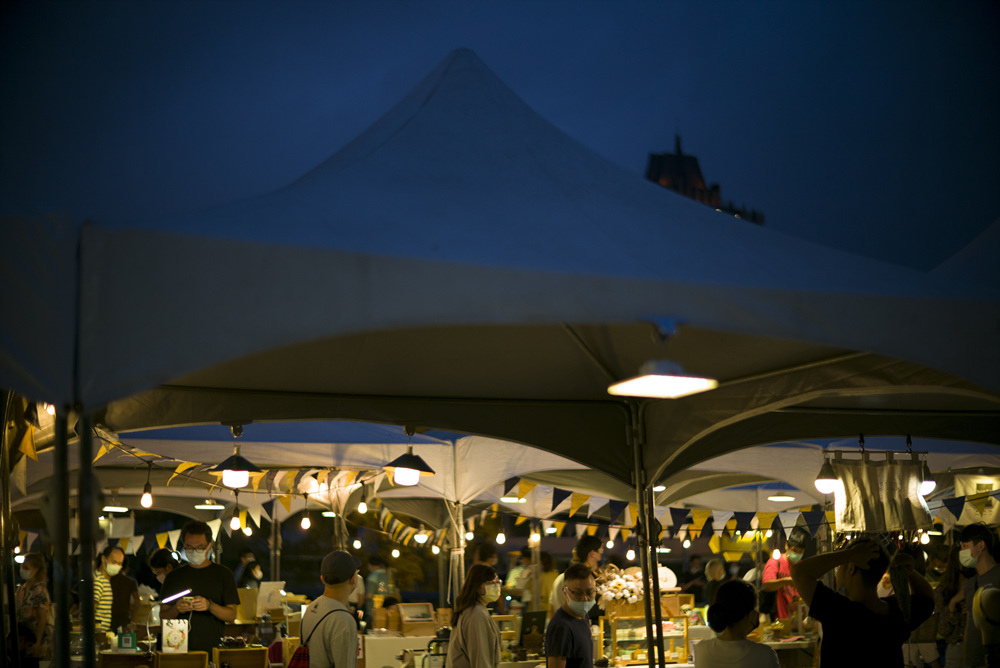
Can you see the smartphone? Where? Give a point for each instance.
(188, 599)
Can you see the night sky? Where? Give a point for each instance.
(869, 126)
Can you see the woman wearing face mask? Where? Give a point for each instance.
(475, 637)
(732, 616)
(162, 562)
(251, 576)
(32, 604)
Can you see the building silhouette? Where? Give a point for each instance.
(682, 174)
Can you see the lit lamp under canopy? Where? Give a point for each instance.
(407, 469)
(236, 470)
(826, 480)
(662, 379)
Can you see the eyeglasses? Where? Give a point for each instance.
(192, 548)
(582, 593)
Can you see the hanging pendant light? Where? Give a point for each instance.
(236, 470)
(407, 469)
(662, 379)
(234, 521)
(147, 492)
(826, 480)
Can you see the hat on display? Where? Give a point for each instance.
(338, 567)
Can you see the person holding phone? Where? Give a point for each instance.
(213, 600)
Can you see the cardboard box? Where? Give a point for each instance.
(417, 619)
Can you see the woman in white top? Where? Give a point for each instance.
(732, 616)
(475, 637)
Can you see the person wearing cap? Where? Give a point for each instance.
(328, 627)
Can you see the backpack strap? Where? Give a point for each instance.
(324, 617)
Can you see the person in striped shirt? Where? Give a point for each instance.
(111, 561)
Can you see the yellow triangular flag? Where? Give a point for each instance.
(521, 519)
(625, 534)
(765, 520)
(181, 468)
(591, 529)
(731, 527)
(524, 488)
(633, 513)
(714, 543)
(21, 535)
(286, 501)
(255, 479)
(243, 519)
(576, 502)
(100, 453)
(698, 518)
(144, 454)
(123, 544)
(161, 539)
(732, 556)
(559, 527)
(322, 476)
(831, 517)
(978, 501)
(27, 445)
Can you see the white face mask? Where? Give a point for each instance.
(258, 574)
(579, 608)
(966, 559)
(492, 592)
(25, 573)
(196, 557)
(113, 569)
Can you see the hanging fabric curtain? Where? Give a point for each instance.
(879, 496)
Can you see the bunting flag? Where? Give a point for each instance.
(831, 518)
(732, 556)
(594, 504)
(521, 519)
(174, 537)
(214, 526)
(254, 512)
(27, 446)
(123, 544)
(103, 450)
(616, 508)
(509, 484)
(558, 496)
(743, 520)
(625, 533)
(269, 480)
(525, 488)
(955, 506)
(255, 478)
(765, 521)
(580, 530)
(577, 501)
(813, 518)
(286, 501)
(591, 529)
(715, 542)
(294, 487)
(322, 476)
(978, 501)
(559, 527)
(279, 476)
(613, 532)
(788, 520)
(699, 516)
(161, 539)
(181, 468)
(21, 535)
(720, 518)
(678, 517)
(19, 475)
(243, 519)
(633, 511)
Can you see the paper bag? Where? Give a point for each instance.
(175, 635)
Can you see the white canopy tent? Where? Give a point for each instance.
(464, 265)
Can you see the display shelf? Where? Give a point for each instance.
(623, 639)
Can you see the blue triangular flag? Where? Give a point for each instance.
(509, 484)
(679, 517)
(813, 520)
(616, 508)
(955, 506)
(743, 519)
(559, 495)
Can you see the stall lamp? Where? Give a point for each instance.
(534, 537)
(306, 522)
(630, 555)
(781, 497)
(236, 470)
(50, 409)
(551, 530)
(407, 469)
(659, 488)
(662, 379)
(501, 538)
(420, 537)
(826, 481)
(927, 482)
(115, 506)
(209, 505)
(768, 533)
(357, 544)
(147, 492)
(234, 522)
(19, 559)
(328, 513)
(174, 597)
(512, 499)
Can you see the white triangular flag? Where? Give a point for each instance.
(214, 526)
(174, 536)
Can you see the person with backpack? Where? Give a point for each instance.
(329, 630)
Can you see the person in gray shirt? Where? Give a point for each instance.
(335, 640)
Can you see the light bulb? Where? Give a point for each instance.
(768, 533)
(825, 485)
(610, 544)
(927, 486)
(686, 544)
(776, 554)
(395, 553)
(147, 500)
(306, 522)
(234, 523)
(420, 538)
(406, 477)
(362, 507)
(551, 530)
(469, 535)
(247, 531)
(235, 479)
(50, 409)
(924, 539)
(501, 539)
(17, 549)
(19, 559)
(435, 549)
(535, 537)
(630, 555)
(357, 544)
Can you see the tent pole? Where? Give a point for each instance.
(86, 518)
(536, 569)
(639, 482)
(653, 526)
(59, 534)
(8, 535)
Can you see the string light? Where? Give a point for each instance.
(306, 522)
(420, 537)
(395, 553)
(357, 544)
(247, 531)
(610, 544)
(435, 549)
(776, 554)
(147, 492)
(362, 507)
(686, 544)
(501, 538)
(630, 555)
(469, 535)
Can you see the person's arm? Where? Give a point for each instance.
(770, 580)
(226, 613)
(555, 662)
(340, 640)
(806, 573)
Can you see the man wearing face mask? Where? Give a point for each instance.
(568, 642)
(976, 541)
(125, 598)
(778, 576)
(214, 599)
(589, 551)
(111, 561)
(332, 638)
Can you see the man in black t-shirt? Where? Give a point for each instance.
(860, 629)
(568, 642)
(213, 590)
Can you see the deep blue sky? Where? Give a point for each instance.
(870, 126)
